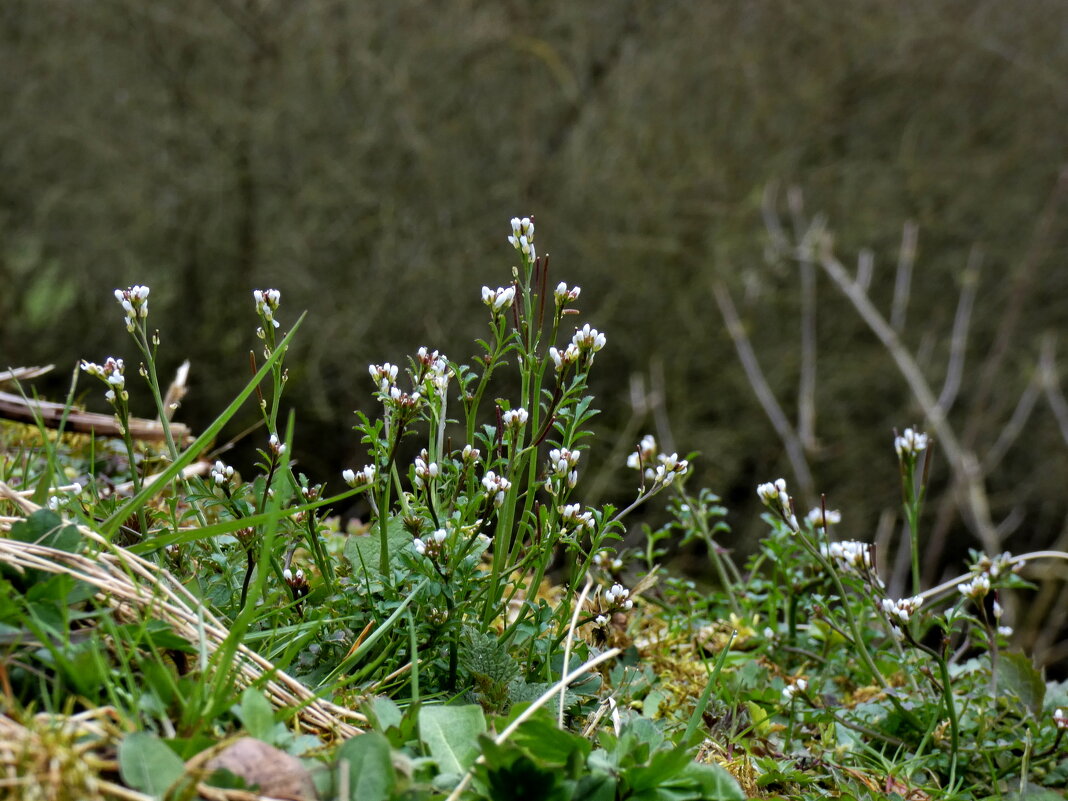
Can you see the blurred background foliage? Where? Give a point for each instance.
(364, 158)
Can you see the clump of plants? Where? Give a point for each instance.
(483, 633)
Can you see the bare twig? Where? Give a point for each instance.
(865, 268)
(959, 338)
(968, 478)
(1052, 386)
(1020, 415)
(795, 452)
(806, 390)
(903, 282)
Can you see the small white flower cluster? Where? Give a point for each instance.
(849, 555)
(267, 301)
(793, 687)
(643, 456)
(469, 454)
(515, 418)
(820, 519)
(496, 486)
(498, 299)
(438, 373)
(562, 463)
(522, 237)
(901, 609)
(134, 303)
(619, 597)
(425, 471)
(995, 566)
(588, 341)
(384, 375)
(1060, 719)
(292, 577)
(775, 497)
(360, 479)
(276, 445)
(572, 515)
(669, 465)
(606, 560)
(977, 588)
(565, 295)
(111, 372)
(910, 444)
(432, 546)
(221, 473)
(584, 344)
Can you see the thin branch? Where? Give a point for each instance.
(971, 494)
(865, 268)
(903, 282)
(959, 338)
(1020, 415)
(1052, 385)
(806, 390)
(794, 450)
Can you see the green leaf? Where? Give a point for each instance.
(364, 551)
(146, 763)
(451, 735)
(370, 767)
(45, 527)
(540, 736)
(384, 712)
(716, 783)
(256, 713)
(1017, 676)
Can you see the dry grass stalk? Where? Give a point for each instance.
(136, 589)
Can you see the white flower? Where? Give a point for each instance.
(221, 473)
(425, 471)
(497, 486)
(601, 620)
(619, 596)
(515, 418)
(420, 546)
(817, 518)
(564, 295)
(793, 687)
(1005, 631)
(470, 454)
(365, 476)
(522, 237)
(849, 555)
(910, 444)
(384, 375)
(267, 301)
(1060, 719)
(134, 302)
(498, 299)
(901, 609)
(977, 588)
(588, 340)
(277, 446)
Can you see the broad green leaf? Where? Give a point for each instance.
(146, 763)
(715, 782)
(364, 551)
(256, 714)
(384, 711)
(44, 527)
(370, 768)
(451, 735)
(1017, 676)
